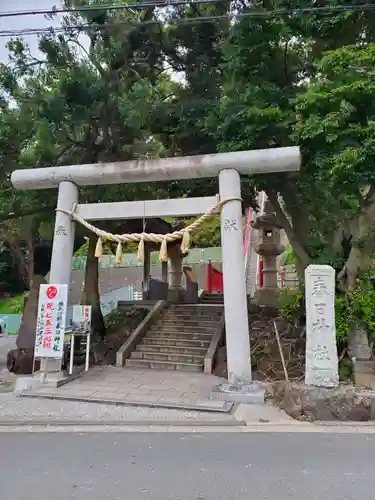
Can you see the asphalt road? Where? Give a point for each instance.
(166, 466)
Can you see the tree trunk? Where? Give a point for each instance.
(359, 231)
(91, 291)
(30, 257)
(303, 259)
(18, 254)
(358, 343)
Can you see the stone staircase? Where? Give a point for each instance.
(179, 338)
(212, 299)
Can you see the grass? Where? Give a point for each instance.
(13, 305)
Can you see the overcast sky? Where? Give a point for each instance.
(16, 23)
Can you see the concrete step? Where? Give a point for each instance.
(214, 304)
(187, 322)
(200, 332)
(190, 319)
(172, 349)
(181, 335)
(190, 323)
(199, 306)
(200, 309)
(214, 298)
(184, 328)
(210, 300)
(174, 316)
(205, 311)
(165, 356)
(173, 341)
(162, 365)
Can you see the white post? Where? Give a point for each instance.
(88, 344)
(261, 212)
(63, 243)
(71, 354)
(235, 299)
(146, 272)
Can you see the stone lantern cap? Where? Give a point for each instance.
(268, 220)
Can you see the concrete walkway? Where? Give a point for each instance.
(16, 410)
(23, 411)
(149, 388)
(6, 379)
(6, 344)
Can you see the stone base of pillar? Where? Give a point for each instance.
(248, 394)
(267, 297)
(54, 380)
(35, 382)
(364, 373)
(175, 295)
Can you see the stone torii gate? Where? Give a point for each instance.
(227, 166)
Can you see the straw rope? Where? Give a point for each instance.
(162, 239)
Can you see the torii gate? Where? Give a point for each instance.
(227, 166)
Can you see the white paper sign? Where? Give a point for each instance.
(50, 329)
(82, 318)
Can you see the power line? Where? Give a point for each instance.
(256, 14)
(172, 3)
(124, 6)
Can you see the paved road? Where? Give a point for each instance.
(145, 466)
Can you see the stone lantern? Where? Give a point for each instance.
(268, 247)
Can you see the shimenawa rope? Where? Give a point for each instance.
(163, 239)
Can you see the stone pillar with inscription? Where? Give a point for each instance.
(63, 240)
(234, 280)
(239, 387)
(321, 348)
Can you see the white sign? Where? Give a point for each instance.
(50, 329)
(321, 349)
(82, 318)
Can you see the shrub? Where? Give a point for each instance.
(292, 304)
(358, 307)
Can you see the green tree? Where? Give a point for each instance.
(80, 104)
(276, 85)
(337, 133)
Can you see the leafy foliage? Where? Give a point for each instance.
(261, 82)
(358, 307)
(292, 305)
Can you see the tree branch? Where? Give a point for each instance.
(298, 248)
(5, 216)
(362, 245)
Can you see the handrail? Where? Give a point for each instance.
(139, 332)
(212, 348)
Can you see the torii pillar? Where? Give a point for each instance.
(229, 167)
